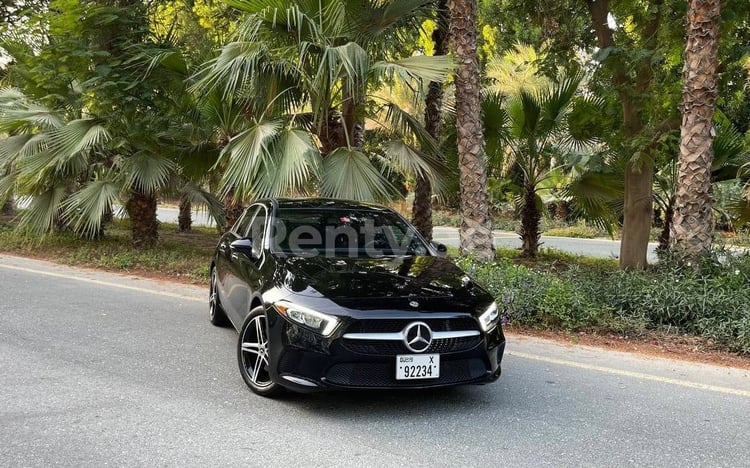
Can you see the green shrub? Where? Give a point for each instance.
(712, 301)
(578, 231)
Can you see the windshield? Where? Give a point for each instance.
(340, 232)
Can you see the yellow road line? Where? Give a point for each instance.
(634, 375)
(104, 283)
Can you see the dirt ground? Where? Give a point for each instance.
(659, 344)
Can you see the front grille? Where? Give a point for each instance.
(396, 325)
(392, 348)
(369, 374)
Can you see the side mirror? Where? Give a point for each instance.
(441, 248)
(243, 245)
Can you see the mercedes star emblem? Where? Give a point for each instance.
(417, 336)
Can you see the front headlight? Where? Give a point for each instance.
(316, 321)
(489, 318)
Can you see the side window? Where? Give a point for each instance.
(258, 231)
(242, 224)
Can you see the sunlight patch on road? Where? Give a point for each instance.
(634, 375)
(104, 283)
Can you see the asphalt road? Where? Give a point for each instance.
(107, 370)
(603, 248)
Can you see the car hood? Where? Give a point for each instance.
(389, 282)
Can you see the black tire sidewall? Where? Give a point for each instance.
(220, 317)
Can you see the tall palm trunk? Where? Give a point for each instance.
(141, 208)
(185, 216)
(422, 208)
(530, 220)
(692, 227)
(476, 224)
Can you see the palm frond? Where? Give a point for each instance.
(68, 144)
(44, 210)
(33, 171)
(247, 155)
(556, 101)
(31, 117)
(349, 62)
(147, 172)
(580, 135)
(408, 160)
(10, 148)
(417, 67)
(349, 174)
(496, 127)
(730, 152)
(85, 209)
(598, 197)
(386, 15)
(203, 200)
(294, 161)
(237, 62)
(7, 187)
(524, 111)
(400, 123)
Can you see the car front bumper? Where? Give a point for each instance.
(305, 361)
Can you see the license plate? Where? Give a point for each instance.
(417, 366)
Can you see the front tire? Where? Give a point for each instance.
(216, 313)
(253, 355)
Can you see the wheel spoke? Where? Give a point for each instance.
(254, 350)
(258, 330)
(250, 347)
(256, 368)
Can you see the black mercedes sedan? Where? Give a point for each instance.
(338, 294)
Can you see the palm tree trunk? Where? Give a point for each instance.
(664, 236)
(352, 122)
(332, 135)
(141, 208)
(232, 211)
(9, 208)
(561, 210)
(422, 207)
(693, 224)
(476, 225)
(185, 216)
(530, 219)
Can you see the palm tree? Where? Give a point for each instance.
(538, 142)
(76, 170)
(103, 144)
(476, 225)
(692, 227)
(304, 73)
(729, 156)
(422, 207)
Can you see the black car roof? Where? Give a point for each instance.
(324, 203)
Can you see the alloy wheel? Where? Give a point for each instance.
(254, 351)
(213, 297)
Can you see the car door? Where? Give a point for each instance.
(245, 265)
(225, 267)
